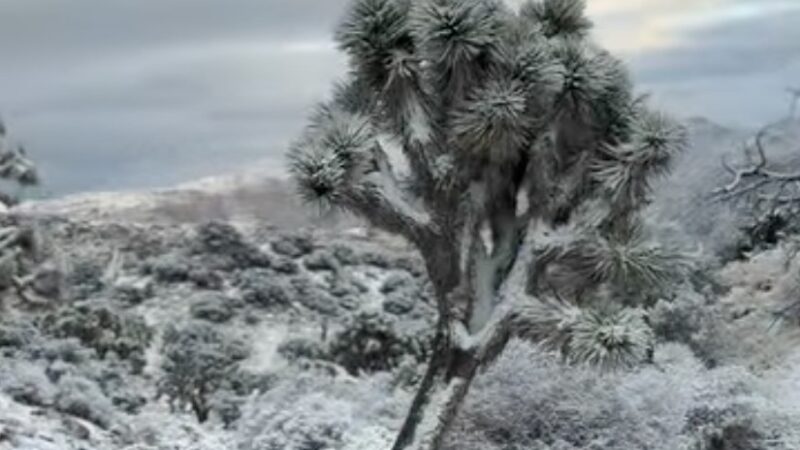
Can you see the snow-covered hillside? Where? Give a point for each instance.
(249, 196)
(239, 197)
(312, 334)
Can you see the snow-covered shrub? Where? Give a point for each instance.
(321, 260)
(345, 255)
(264, 288)
(530, 400)
(69, 350)
(245, 382)
(197, 361)
(346, 288)
(301, 349)
(690, 319)
(379, 259)
(764, 232)
(143, 241)
(48, 281)
(132, 290)
(229, 247)
(314, 412)
(373, 342)
(398, 304)
(83, 398)
(155, 429)
(397, 281)
(128, 401)
(219, 237)
(84, 277)
(26, 383)
(317, 297)
(213, 307)
(320, 301)
(206, 278)
(170, 268)
(404, 294)
(16, 335)
(227, 406)
(292, 245)
(285, 266)
(99, 326)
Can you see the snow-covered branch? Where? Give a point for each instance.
(380, 201)
(756, 175)
(341, 162)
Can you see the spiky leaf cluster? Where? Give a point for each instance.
(373, 33)
(331, 158)
(456, 37)
(655, 141)
(610, 339)
(494, 122)
(558, 17)
(605, 337)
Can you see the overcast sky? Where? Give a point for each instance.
(142, 93)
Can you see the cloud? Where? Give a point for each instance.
(733, 68)
(143, 93)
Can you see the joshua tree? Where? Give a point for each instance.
(14, 167)
(524, 161)
(20, 249)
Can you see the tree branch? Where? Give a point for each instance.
(379, 199)
(755, 171)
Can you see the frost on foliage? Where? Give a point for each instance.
(264, 288)
(83, 398)
(691, 319)
(529, 400)
(26, 383)
(228, 246)
(560, 17)
(101, 327)
(308, 411)
(159, 430)
(372, 342)
(197, 361)
(212, 307)
(15, 166)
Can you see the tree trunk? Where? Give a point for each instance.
(445, 385)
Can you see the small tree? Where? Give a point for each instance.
(767, 193)
(526, 161)
(198, 360)
(20, 250)
(15, 167)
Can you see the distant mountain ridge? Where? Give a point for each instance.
(234, 197)
(248, 195)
